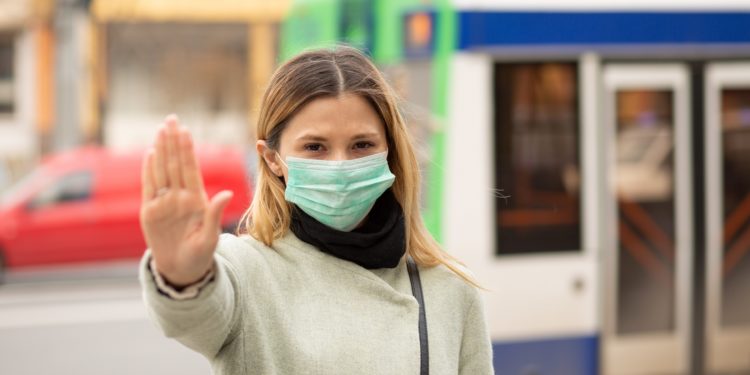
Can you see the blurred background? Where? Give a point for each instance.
(589, 161)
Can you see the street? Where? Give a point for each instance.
(84, 320)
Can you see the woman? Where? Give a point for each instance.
(317, 280)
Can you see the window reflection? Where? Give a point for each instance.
(644, 145)
(536, 157)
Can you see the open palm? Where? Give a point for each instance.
(180, 224)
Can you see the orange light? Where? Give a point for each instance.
(420, 29)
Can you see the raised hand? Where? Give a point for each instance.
(180, 224)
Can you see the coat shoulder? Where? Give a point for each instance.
(440, 279)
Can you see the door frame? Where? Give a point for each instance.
(724, 348)
(649, 353)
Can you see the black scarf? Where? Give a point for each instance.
(379, 243)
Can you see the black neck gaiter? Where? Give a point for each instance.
(379, 243)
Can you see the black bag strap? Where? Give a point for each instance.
(416, 290)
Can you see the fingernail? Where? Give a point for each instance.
(172, 121)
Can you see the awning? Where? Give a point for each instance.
(189, 10)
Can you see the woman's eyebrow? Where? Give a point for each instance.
(366, 135)
(311, 137)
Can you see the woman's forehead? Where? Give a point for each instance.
(345, 115)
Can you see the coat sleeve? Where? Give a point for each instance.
(476, 347)
(204, 323)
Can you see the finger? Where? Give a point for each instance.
(190, 170)
(174, 178)
(159, 166)
(147, 179)
(215, 208)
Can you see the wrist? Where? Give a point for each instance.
(182, 292)
(180, 281)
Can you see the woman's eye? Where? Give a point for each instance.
(363, 145)
(313, 147)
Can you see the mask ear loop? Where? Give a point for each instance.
(279, 158)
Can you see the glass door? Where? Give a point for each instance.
(648, 241)
(727, 144)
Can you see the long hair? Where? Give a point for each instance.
(330, 73)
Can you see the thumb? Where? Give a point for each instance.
(216, 207)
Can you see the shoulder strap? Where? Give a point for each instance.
(416, 290)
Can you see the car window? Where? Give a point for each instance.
(71, 187)
(13, 193)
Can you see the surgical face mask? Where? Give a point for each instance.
(338, 193)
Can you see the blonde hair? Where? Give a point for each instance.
(332, 72)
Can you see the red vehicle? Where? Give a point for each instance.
(83, 206)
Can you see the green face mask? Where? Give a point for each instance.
(337, 193)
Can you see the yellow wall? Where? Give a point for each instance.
(190, 10)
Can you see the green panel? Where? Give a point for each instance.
(309, 24)
(389, 28)
(445, 45)
(356, 23)
(317, 23)
(389, 50)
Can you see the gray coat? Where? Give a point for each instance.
(292, 309)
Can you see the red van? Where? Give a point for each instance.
(83, 205)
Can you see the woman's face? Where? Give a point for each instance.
(329, 128)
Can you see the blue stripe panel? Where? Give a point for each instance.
(560, 356)
(488, 29)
